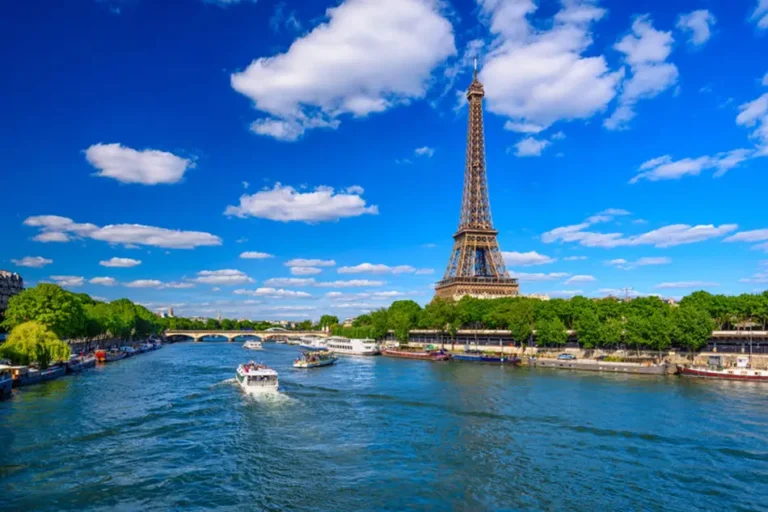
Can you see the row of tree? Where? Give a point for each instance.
(643, 323)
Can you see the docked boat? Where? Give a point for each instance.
(6, 381)
(478, 356)
(25, 375)
(256, 378)
(108, 356)
(427, 355)
(313, 343)
(129, 351)
(352, 347)
(79, 363)
(253, 345)
(715, 369)
(315, 359)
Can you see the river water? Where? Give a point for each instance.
(171, 430)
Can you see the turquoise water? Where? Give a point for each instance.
(170, 430)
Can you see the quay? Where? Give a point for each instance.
(594, 365)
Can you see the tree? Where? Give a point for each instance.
(362, 321)
(660, 331)
(48, 304)
(402, 316)
(550, 331)
(211, 324)
(304, 325)
(122, 318)
(589, 329)
(34, 342)
(379, 323)
(691, 327)
(520, 321)
(328, 321)
(613, 331)
(440, 314)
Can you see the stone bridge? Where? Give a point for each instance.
(198, 335)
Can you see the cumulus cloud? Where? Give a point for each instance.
(580, 279)
(686, 284)
(255, 255)
(531, 147)
(225, 277)
(289, 281)
(368, 57)
(425, 271)
(126, 165)
(354, 283)
(754, 114)
(640, 262)
(68, 280)
(51, 236)
(144, 283)
(126, 234)
(32, 261)
(645, 50)
(760, 14)
(425, 151)
(665, 168)
(305, 271)
(120, 262)
(303, 262)
(532, 277)
(698, 24)
(104, 281)
(536, 76)
(379, 268)
(274, 293)
(574, 258)
(526, 259)
(286, 204)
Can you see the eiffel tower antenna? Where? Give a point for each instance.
(476, 266)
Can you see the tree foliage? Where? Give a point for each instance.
(48, 304)
(33, 342)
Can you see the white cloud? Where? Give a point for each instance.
(354, 283)
(104, 281)
(126, 234)
(144, 283)
(180, 285)
(526, 259)
(226, 277)
(523, 127)
(539, 76)
(760, 14)
(126, 165)
(274, 293)
(425, 271)
(255, 255)
(302, 262)
(641, 262)
(686, 284)
(289, 281)
(425, 151)
(388, 294)
(531, 147)
(68, 280)
(699, 24)
(120, 262)
(526, 277)
(51, 236)
(667, 236)
(305, 271)
(565, 293)
(765, 79)
(32, 261)
(759, 277)
(286, 204)
(664, 168)
(619, 292)
(246, 184)
(281, 19)
(580, 279)
(574, 258)
(645, 51)
(377, 269)
(755, 114)
(368, 57)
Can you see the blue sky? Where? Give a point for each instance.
(626, 146)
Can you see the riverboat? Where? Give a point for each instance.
(315, 359)
(253, 345)
(427, 355)
(715, 369)
(79, 363)
(109, 356)
(25, 375)
(594, 365)
(352, 347)
(6, 381)
(256, 378)
(129, 351)
(478, 356)
(313, 343)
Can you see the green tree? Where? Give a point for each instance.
(613, 332)
(362, 321)
(589, 329)
(34, 342)
(328, 321)
(211, 324)
(691, 327)
(48, 304)
(379, 323)
(402, 316)
(228, 324)
(550, 331)
(520, 321)
(441, 315)
(660, 331)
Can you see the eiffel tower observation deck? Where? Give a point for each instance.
(476, 266)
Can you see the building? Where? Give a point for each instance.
(476, 266)
(11, 284)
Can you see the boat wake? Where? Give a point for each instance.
(272, 398)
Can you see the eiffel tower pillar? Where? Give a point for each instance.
(476, 266)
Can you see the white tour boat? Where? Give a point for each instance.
(253, 345)
(256, 378)
(352, 347)
(313, 342)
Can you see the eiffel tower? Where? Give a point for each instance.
(476, 267)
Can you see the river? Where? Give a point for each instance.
(171, 430)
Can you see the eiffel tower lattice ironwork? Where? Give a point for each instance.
(476, 266)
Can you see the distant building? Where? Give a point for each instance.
(11, 284)
(348, 322)
(170, 312)
(539, 296)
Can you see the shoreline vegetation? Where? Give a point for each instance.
(640, 324)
